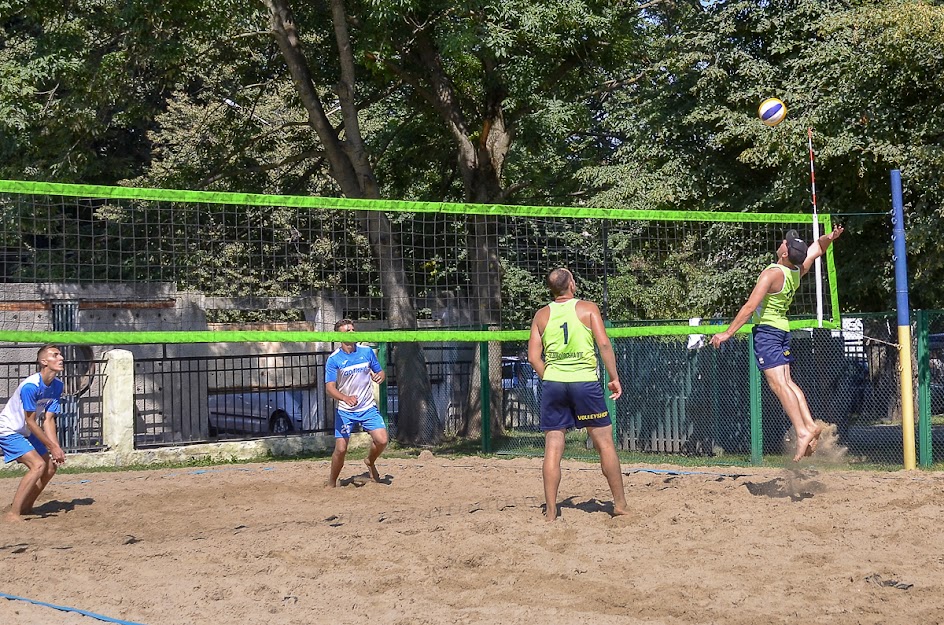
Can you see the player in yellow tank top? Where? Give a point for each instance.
(770, 300)
(569, 349)
(561, 350)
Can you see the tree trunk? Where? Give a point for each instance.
(350, 166)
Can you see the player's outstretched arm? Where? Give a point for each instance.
(819, 247)
(763, 287)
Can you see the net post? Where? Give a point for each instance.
(904, 324)
(924, 389)
(817, 264)
(757, 430)
(486, 399)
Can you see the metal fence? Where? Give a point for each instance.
(211, 398)
(930, 395)
(680, 400)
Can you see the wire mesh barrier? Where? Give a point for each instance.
(450, 373)
(676, 402)
(165, 260)
(852, 380)
(198, 283)
(682, 401)
(930, 396)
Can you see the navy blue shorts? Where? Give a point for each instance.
(771, 347)
(566, 405)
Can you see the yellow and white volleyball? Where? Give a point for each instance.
(772, 111)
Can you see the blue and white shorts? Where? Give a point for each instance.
(345, 421)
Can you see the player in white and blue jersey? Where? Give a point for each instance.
(349, 372)
(28, 430)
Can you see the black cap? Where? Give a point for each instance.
(796, 247)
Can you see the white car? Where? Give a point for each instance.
(263, 412)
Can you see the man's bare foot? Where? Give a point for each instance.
(813, 443)
(620, 510)
(806, 444)
(12, 517)
(330, 484)
(374, 475)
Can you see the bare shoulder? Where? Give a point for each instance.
(587, 311)
(772, 277)
(587, 305)
(542, 313)
(541, 317)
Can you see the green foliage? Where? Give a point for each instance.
(81, 83)
(605, 104)
(863, 77)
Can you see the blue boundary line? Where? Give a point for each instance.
(106, 619)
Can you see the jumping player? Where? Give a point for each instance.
(768, 303)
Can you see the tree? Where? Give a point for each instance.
(82, 84)
(350, 167)
(484, 74)
(862, 75)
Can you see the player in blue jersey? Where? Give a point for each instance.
(768, 304)
(349, 372)
(28, 430)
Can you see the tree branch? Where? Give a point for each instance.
(354, 142)
(284, 31)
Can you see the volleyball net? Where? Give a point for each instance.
(113, 265)
(226, 297)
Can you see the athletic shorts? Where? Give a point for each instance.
(771, 347)
(566, 405)
(345, 421)
(16, 445)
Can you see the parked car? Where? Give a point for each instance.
(518, 373)
(262, 412)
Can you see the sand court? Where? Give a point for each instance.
(463, 540)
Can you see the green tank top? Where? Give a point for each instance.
(773, 310)
(569, 354)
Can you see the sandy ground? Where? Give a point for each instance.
(463, 540)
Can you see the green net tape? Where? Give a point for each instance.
(391, 336)
(254, 199)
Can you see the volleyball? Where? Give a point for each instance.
(772, 111)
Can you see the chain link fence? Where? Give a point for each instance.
(684, 401)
